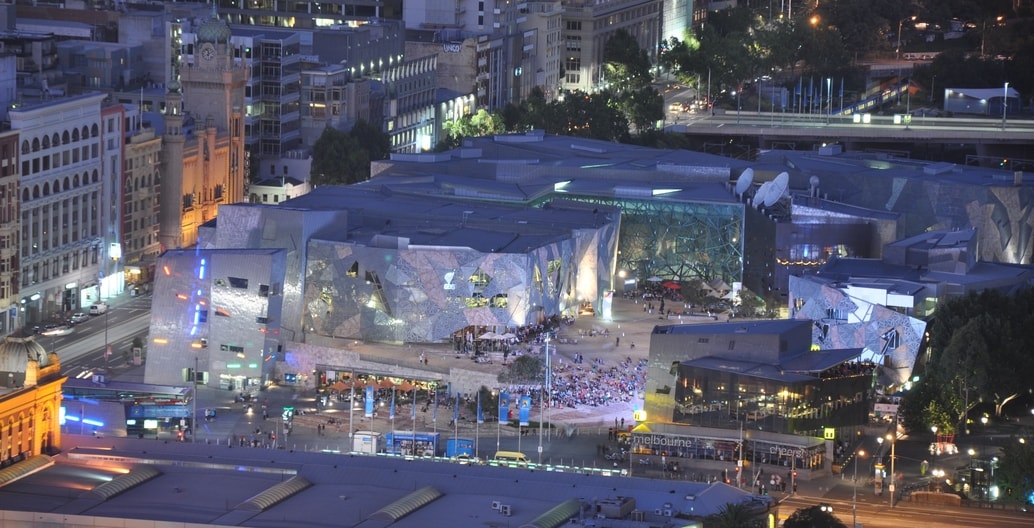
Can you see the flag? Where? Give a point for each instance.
(412, 411)
(481, 415)
(504, 407)
(369, 401)
(391, 410)
(525, 411)
(456, 410)
(841, 87)
(800, 86)
(434, 413)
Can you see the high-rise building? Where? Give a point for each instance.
(9, 222)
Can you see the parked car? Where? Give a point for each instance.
(78, 318)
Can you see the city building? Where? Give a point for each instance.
(10, 229)
(141, 202)
(203, 163)
(409, 104)
(216, 317)
(881, 305)
(755, 374)
(277, 190)
(409, 269)
(65, 197)
(30, 406)
(309, 14)
(588, 24)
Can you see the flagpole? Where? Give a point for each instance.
(477, 426)
(456, 420)
(351, 403)
(434, 413)
(498, 418)
(391, 414)
(412, 414)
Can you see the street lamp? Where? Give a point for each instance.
(854, 498)
(1005, 102)
(897, 51)
(890, 438)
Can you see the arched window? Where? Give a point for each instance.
(46, 189)
(25, 194)
(35, 191)
(35, 144)
(65, 138)
(75, 135)
(68, 183)
(75, 181)
(96, 177)
(86, 133)
(25, 147)
(56, 141)
(95, 131)
(46, 142)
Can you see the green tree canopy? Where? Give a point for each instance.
(979, 355)
(813, 517)
(342, 158)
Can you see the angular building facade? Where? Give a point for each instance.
(216, 315)
(425, 270)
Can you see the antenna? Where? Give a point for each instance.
(778, 188)
(762, 192)
(744, 182)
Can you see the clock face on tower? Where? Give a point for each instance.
(207, 52)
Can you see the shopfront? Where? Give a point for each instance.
(729, 449)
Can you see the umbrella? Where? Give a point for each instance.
(339, 386)
(489, 335)
(672, 285)
(386, 383)
(509, 335)
(655, 279)
(406, 386)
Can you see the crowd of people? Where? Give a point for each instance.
(575, 383)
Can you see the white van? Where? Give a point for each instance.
(98, 308)
(510, 458)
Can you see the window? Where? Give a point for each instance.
(237, 282)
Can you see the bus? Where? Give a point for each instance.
(145, 408)
(413, 444)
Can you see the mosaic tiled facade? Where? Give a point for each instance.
(890, 338)
(427, 294)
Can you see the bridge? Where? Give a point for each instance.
(985, 137)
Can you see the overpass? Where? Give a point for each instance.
(984, 137)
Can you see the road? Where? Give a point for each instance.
(84, 348)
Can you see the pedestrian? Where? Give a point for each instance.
(617, 341)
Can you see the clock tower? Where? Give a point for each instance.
(212, 159)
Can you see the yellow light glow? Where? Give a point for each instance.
(160, 341)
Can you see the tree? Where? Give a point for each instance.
(626, 64)
(339, 158)
(813, 517)
(978, 354)
(480, 124)
(1015, 470)
(524, 369)
(734, 515)
(373, 140)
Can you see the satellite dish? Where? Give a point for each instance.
(744, 182)
(759, 196)
(777, 189)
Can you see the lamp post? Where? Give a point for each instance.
(890, 438)
(1005, 102)
(897, 50)
(854, 498)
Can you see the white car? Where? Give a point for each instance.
(78, 318)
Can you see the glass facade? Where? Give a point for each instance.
(799, 404)
(677, 240)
